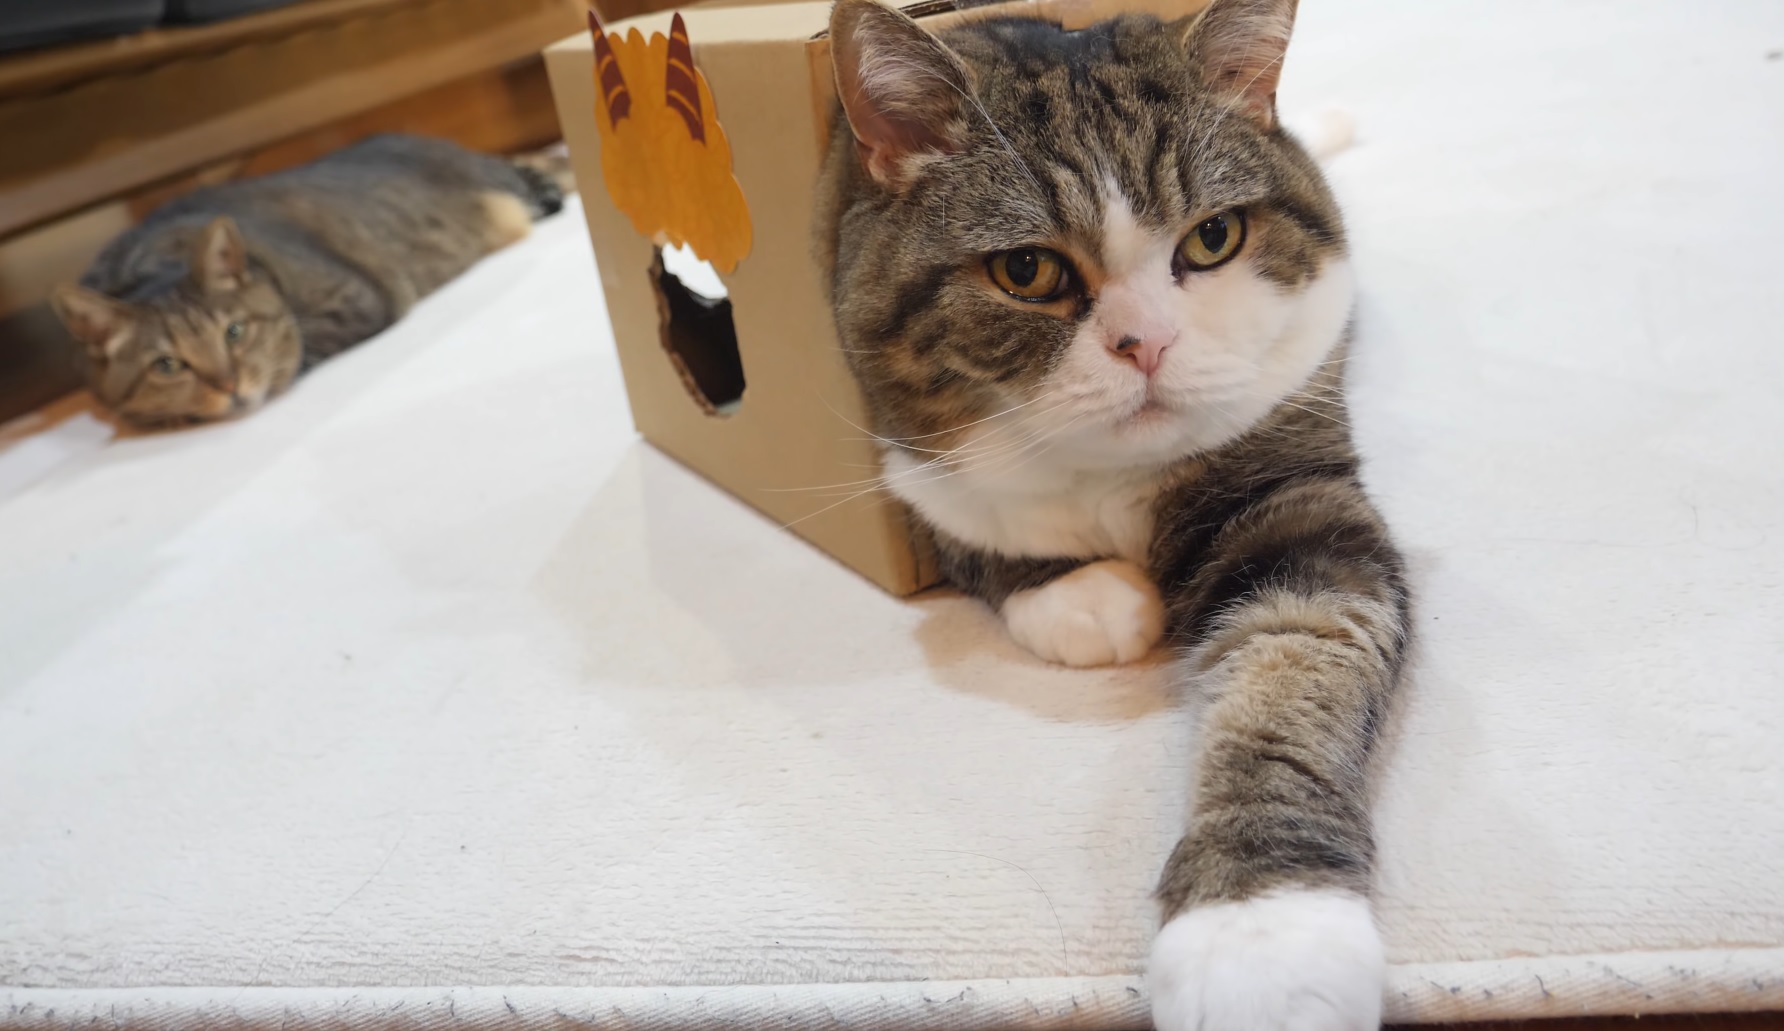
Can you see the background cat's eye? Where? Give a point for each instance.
(232, 334)
(168, 366)
(1214, 242)
(1030, 273)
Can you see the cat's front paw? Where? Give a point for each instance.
(1287, 961)
(1098, 614)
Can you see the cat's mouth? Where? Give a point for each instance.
(1145, 417)
(1151, 408)
(230, 406)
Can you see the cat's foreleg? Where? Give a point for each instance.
(1267, 920)
(1070, 611)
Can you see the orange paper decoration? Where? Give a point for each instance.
(663, 153)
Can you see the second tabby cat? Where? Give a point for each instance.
(218, 299)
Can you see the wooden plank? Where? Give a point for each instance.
(38, 362)
(502, 111)
(40, 71)
(113, 135)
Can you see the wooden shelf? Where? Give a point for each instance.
(100, 120)
(51, 68)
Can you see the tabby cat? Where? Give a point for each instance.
(1098, 302)
(218, 299)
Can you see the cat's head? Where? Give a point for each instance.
(216, 343)
(1099, 243)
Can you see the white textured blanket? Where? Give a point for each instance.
(429, 696)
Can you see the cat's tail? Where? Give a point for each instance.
(1325, 133)
(548, 179)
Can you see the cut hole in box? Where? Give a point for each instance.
(694, 319)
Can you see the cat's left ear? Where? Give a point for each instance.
(903, 91)
(1237, 47)
(220, 262)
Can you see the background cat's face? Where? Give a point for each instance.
(217, 345)
(1099, 240)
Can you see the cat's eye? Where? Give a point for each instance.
(1212, 243)
(168, 366)
(1030, 273)
(232, 334)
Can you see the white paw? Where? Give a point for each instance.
(1095, 615)
(1287, 961)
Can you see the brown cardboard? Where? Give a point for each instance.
(796, 447)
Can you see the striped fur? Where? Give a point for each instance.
(1047, 466)
(220, 298)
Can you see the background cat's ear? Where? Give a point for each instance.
(1237, 47)
(903, 92)
(99, 322)
(221, 261)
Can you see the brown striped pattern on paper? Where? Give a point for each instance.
(684, 91)
(608, 81)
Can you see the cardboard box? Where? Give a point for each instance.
(795, 444)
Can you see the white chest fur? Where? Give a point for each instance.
(1044, 513)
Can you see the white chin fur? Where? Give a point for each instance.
(1287, 961)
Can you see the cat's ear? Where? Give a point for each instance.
(220, 261)
(904, 93)
(103, 325)
(1237, 47)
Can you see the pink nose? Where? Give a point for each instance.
(1147, 354)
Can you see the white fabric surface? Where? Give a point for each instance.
(430, 697)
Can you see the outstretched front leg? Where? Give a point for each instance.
(1299, 613)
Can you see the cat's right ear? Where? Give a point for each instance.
(904, 93)
(101, 324)
(220, 263)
